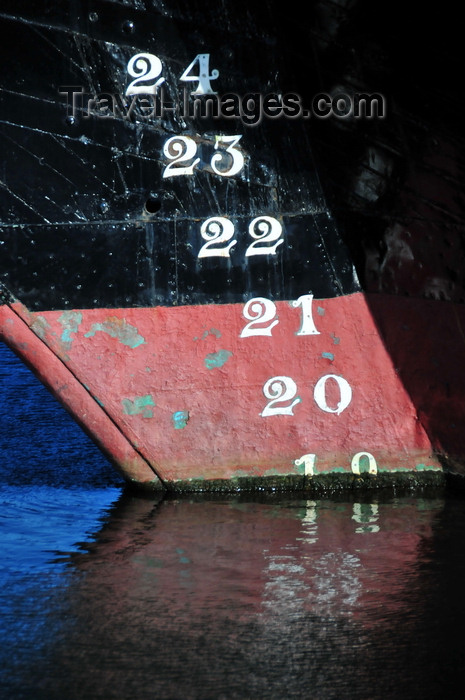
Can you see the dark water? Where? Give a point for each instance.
(107, 595)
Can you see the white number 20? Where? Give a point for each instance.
(282, 389)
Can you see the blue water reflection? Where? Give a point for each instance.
(40, 527)
(55, 487)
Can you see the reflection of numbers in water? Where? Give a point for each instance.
(285, 587)
(367, 515)
(309, 523)
(335, 585)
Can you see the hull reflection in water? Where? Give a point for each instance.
(237, 599)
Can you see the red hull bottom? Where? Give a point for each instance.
(199, 395)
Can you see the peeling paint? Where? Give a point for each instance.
(40, 327)
(321, 311)
(180, 419)
(217, 359)
(118, 328)
(182, 558)
(328, 356)
(240, 474)
(213, 331)
(70, 320)
(140, 405)
(427, 468)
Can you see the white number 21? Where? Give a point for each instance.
(259, 311)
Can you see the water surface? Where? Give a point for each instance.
(108, 595)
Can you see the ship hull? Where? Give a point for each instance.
(182, 398)
(224, 282)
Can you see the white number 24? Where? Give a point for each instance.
(146, 68)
